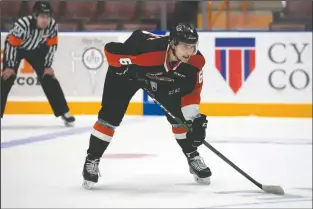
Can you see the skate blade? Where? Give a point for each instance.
(88, 184)
(69, 124)
(204, 181)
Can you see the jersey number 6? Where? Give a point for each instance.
(125, 61)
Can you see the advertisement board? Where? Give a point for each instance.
(246, 73)
(251, 73)
(257, 67)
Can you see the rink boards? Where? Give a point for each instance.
(246, 73)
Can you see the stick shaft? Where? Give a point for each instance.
(181, 122)
(232, 164)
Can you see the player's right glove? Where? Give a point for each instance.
(198, 130)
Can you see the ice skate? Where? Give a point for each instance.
(68, 119)
(198, 169)
(91, 171)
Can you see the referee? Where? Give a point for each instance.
(35, 38)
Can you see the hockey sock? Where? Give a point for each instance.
(186, 145)
(100, 138)
(180, 135)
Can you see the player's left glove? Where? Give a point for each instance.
(157, 83)
(198, 130)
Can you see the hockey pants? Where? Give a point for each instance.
(50, 85)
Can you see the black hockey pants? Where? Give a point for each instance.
(50, 85)
(117, 93)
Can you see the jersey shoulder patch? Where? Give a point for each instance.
(20, 27)
(17, 31)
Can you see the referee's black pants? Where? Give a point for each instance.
(50, 85)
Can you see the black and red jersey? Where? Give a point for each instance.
(149, 52)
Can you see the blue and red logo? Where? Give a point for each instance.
(235, 60)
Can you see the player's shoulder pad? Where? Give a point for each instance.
(137, 33)
(142, 34)
(114, 48)
(197, 60)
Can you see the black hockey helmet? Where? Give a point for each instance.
(183, 32)
(42, 7)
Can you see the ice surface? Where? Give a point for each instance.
(41, 164)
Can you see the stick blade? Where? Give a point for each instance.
(273, 189)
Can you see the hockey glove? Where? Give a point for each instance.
(198, 130)
(155, 82)
(131, 73)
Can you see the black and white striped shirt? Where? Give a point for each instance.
(26, 36)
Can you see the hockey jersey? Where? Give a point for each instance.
(150, 53)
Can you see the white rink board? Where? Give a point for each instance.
(78, 81)
(281, 47)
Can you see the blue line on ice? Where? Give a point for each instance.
(44, 137)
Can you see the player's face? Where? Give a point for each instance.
(184, 51)
(43, 20)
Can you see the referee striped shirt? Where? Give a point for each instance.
(26, 36)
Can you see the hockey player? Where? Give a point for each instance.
(35, 39)
(171, 68)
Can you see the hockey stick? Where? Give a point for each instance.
(267, 188)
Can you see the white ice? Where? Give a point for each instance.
(47, 173)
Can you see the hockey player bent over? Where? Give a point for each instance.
(171, 68)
